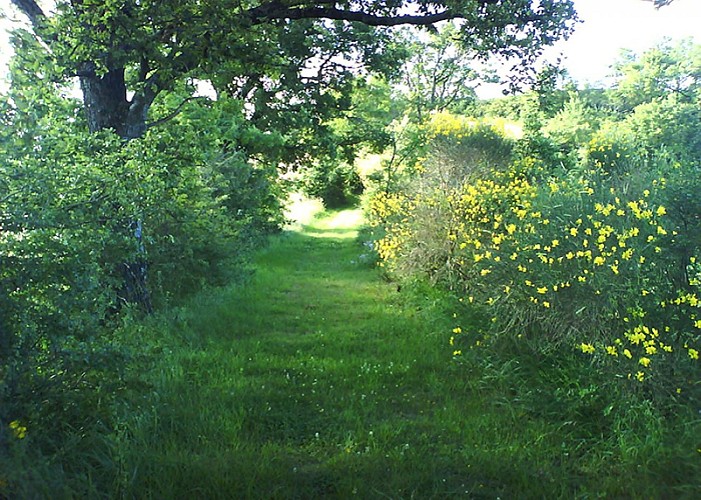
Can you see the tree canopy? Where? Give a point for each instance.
(127, 52)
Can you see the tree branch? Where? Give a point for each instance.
(32, 10)
(276, 10)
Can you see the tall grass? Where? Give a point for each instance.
(320, 380)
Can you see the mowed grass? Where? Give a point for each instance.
(319, 379)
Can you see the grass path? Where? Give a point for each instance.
(316, 380)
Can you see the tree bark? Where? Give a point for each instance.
(107, 107)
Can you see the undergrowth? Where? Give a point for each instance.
(320, 379)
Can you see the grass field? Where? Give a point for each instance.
(319, 379)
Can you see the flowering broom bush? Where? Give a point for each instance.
(607, 267)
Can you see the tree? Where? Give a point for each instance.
(668, 69)
(440, 75)
(127, 52)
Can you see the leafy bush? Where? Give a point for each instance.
(78, 213)
(337, 185)
(575, 262)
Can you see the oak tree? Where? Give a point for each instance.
(126, 52)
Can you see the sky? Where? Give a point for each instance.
(608, 26)
(611, 25)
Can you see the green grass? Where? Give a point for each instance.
(319, 379)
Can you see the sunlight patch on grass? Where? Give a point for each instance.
(342, 225)
(302, 210)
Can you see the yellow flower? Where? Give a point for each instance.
(19, 430)
(640, 376)
(587, 348)
(611, 350)
(627, 353)
(693, 353)
(661, 211)
(457, 329)
(644, 361)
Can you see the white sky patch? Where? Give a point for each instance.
(609, 26)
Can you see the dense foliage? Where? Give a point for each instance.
(598, 253)
(564, 220)
(84, 216)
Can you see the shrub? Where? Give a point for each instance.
(337, 185)
(580, 262)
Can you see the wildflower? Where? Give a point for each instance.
(644, 361)
(587, 348)
(640, 376)
(693, 353)
(457, 329)
(19, 430)
(627, 353)
(546, 304)
(661, 211)
(611, 350)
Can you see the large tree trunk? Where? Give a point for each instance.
(107, 108)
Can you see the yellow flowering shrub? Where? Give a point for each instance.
(582, 263)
